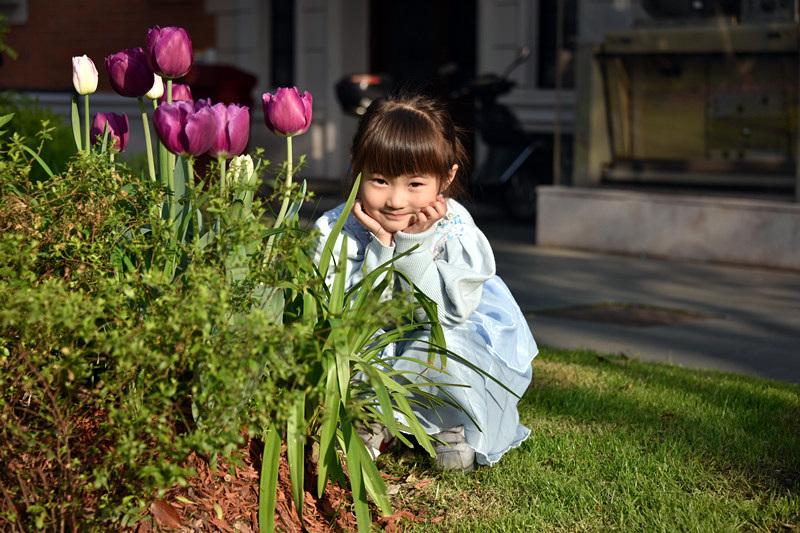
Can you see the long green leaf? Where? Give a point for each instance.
(373, 482)
(330, 419)
(295, 447)
(416, 428)
(104, 142)
(327, 250)
(163, 165)
(268, 485)
(76, 123)
(365, 289)
(5, 120)
(383, 397)
(294, 208)
(310, 309)
(337, 342)
(38, 160)
(352, 442)
(336, 303)
(438, 344)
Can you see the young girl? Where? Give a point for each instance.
(408, 153)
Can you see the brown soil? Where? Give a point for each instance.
(223, 498)
(226, 499)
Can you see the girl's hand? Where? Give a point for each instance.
(428, 216)
(372, 225)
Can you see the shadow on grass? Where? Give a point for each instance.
(741, 426)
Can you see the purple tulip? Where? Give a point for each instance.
(286, 112)
(169, 51)
(233, 130)
(118, 132)
(186, 128)
(129, 73)
(180, 93)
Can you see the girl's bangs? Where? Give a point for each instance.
(406, 147)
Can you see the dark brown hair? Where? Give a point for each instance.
(409, 134)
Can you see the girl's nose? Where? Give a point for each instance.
(397, 198)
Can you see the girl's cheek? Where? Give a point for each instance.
(369, 209)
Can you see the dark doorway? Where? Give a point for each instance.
(424, 45)
(427, 46)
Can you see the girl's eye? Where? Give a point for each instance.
(416, 184)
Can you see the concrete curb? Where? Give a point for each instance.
(671, 226)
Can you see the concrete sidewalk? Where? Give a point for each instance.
(743, 320)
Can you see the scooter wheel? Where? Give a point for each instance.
(520, 196)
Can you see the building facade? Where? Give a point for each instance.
(621, 92)
(308, 43)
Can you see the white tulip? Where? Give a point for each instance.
(84, 75)
(157, 91)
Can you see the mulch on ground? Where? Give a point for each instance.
(226, 499)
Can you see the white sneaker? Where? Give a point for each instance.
(376, 438)
(454, 453)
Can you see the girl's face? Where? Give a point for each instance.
(394, 202)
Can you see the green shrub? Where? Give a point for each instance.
(101, 370)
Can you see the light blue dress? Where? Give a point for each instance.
(454, 266)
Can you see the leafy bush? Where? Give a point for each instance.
(100, 370)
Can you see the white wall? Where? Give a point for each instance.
(504, 26)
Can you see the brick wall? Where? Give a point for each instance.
(57, 30)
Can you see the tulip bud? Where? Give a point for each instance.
(129, 73)
(242, 171)
(233, 130)
(169, 51)
(180, 93)
(186, 128)
(84, 75)
(286, 112)
(157, 90)
(117, 125)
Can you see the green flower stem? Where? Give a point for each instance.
(173, 202)
(222, 177)
(86, 123)
(287, 184)
(170, 157)
(192, 200)
(170, 160)
(148, 142)
(286, 195)
(164, 170)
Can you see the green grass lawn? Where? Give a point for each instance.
(619, 445)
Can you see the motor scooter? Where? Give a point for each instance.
(515, 163)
